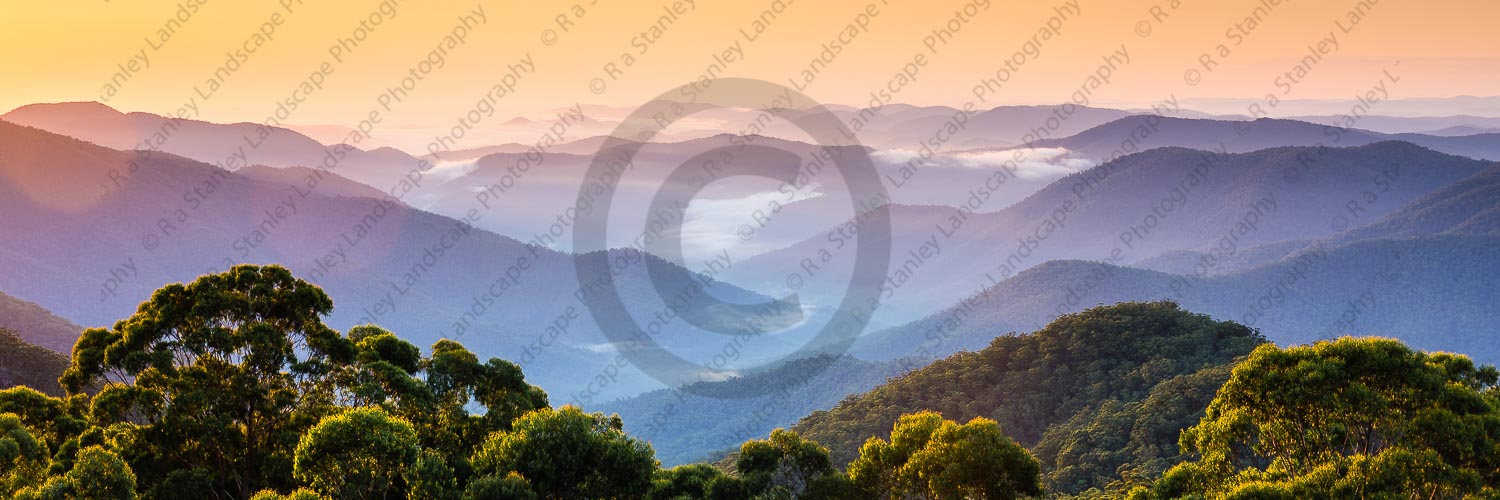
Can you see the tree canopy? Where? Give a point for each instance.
(232, 387)
(931, 457)
(1349, 418)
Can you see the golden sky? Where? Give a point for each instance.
(70, 51)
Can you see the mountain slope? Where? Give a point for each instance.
(1033, 382)
(22, 363)
(1469, 206)
(688, 424)
(419, 274)
(1433, 293)
(230, 146)
(1128, 210)
(36, 325)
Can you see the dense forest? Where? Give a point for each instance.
(233, 387)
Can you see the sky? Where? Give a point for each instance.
(75, 51)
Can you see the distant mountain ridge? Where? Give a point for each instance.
(1108, 140)
(228, 146)
(1128, 210)
(420, 274)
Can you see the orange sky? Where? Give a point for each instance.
(69, 51)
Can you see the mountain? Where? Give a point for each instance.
(1035, 384)
(24, 364)
(36, 325)
(1429, 125)
(544, 175)
(422, 275)
(1143, 132)
(688, 423)
(900, 126)
(1461, 130)
(1469, 206)
(1426, 291)
(1127, 210)
(34, 345)
(229, 146)
(329, 184)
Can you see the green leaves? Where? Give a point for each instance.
(931, 457)
(784, 463)
(99, 474)
(569, 454)
(1361, 416)
(357, 454)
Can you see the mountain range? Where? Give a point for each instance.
(1298, 230)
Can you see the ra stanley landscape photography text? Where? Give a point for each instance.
(763, 249)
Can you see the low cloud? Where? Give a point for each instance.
(1034, 163)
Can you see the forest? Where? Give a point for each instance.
(232, 387)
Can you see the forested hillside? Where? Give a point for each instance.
(22, 363)
(1102, 364)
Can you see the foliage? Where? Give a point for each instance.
(430, 478)
(1354, 417)
(208, 389)
(568, 453)
(930, 457)
(507, 487)
(783, 464)
(692, 481)
(224, 371)
(299, 494)
(232, 384)
(98, 475)
(23, 458)
(52, 420)
(357, 454)
(1109, 448)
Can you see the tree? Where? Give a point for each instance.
(23, 458)
(225, 373)
(696, 481)
(783, 463)
(430, 478)
(357, 454)
(52, 420)
(931, 457)
(1109, 448)
(569, 454)
(508, 487)
(1353, 417)
(299, 494)
(98, 475)
(457, 379)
